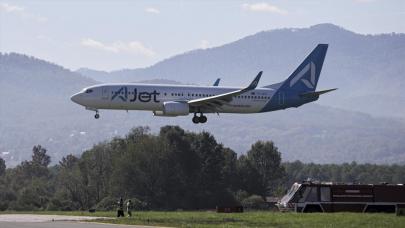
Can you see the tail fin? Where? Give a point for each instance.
(305, 77)
(216, 83)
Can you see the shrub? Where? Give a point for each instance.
(254, 202)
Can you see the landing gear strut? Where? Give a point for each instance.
(199, 119)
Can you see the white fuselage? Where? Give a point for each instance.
(131, 96)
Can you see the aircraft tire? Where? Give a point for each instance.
(202, 119)
(196, 119)
(97, 116)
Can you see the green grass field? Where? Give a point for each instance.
(247, 219)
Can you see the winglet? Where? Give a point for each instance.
(255, 82)
(216, 83)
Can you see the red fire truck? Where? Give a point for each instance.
(338, 197)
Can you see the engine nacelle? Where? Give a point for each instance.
(173, 108)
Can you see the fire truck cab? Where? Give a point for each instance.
(339, 197)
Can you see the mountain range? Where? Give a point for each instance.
(363, 121)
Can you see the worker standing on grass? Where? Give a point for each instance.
(129, 208)
(120, 210)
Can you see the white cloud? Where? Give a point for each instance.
(20, 11)
(152, 10)
(11, 8)
(263, 7)
(204, 44)
(97, 45)
(133, 47)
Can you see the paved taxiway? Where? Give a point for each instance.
(53, 221)
(61, 224)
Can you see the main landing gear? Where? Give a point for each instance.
(199, 119)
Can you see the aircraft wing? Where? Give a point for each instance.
(215, 102)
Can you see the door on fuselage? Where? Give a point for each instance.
(105, 93)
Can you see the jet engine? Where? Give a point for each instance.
(173, 108)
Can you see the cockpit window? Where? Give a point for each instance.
(89, 90)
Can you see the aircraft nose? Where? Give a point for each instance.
(76, 98)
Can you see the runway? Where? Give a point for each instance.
(54, 221)
(62, 224)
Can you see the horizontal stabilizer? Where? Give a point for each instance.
(316, 93)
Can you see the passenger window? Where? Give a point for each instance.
(325, 194)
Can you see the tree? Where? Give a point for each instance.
(40, 161)
(212, 186)
(39, 156)
(265, 160)
(70, 193)
(68, 162)
(2, 167)
(249, 177)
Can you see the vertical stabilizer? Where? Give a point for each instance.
(305, 77)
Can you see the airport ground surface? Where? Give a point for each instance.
(209, 219)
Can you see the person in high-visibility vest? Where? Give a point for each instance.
(129, 208)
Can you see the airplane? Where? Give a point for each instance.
(181, 100)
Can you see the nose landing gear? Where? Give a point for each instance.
(199, 119)
(97, 115)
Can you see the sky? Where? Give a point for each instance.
(112, 35)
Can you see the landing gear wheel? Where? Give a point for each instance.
(97, 116)
(202, 119)
(196, 119)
